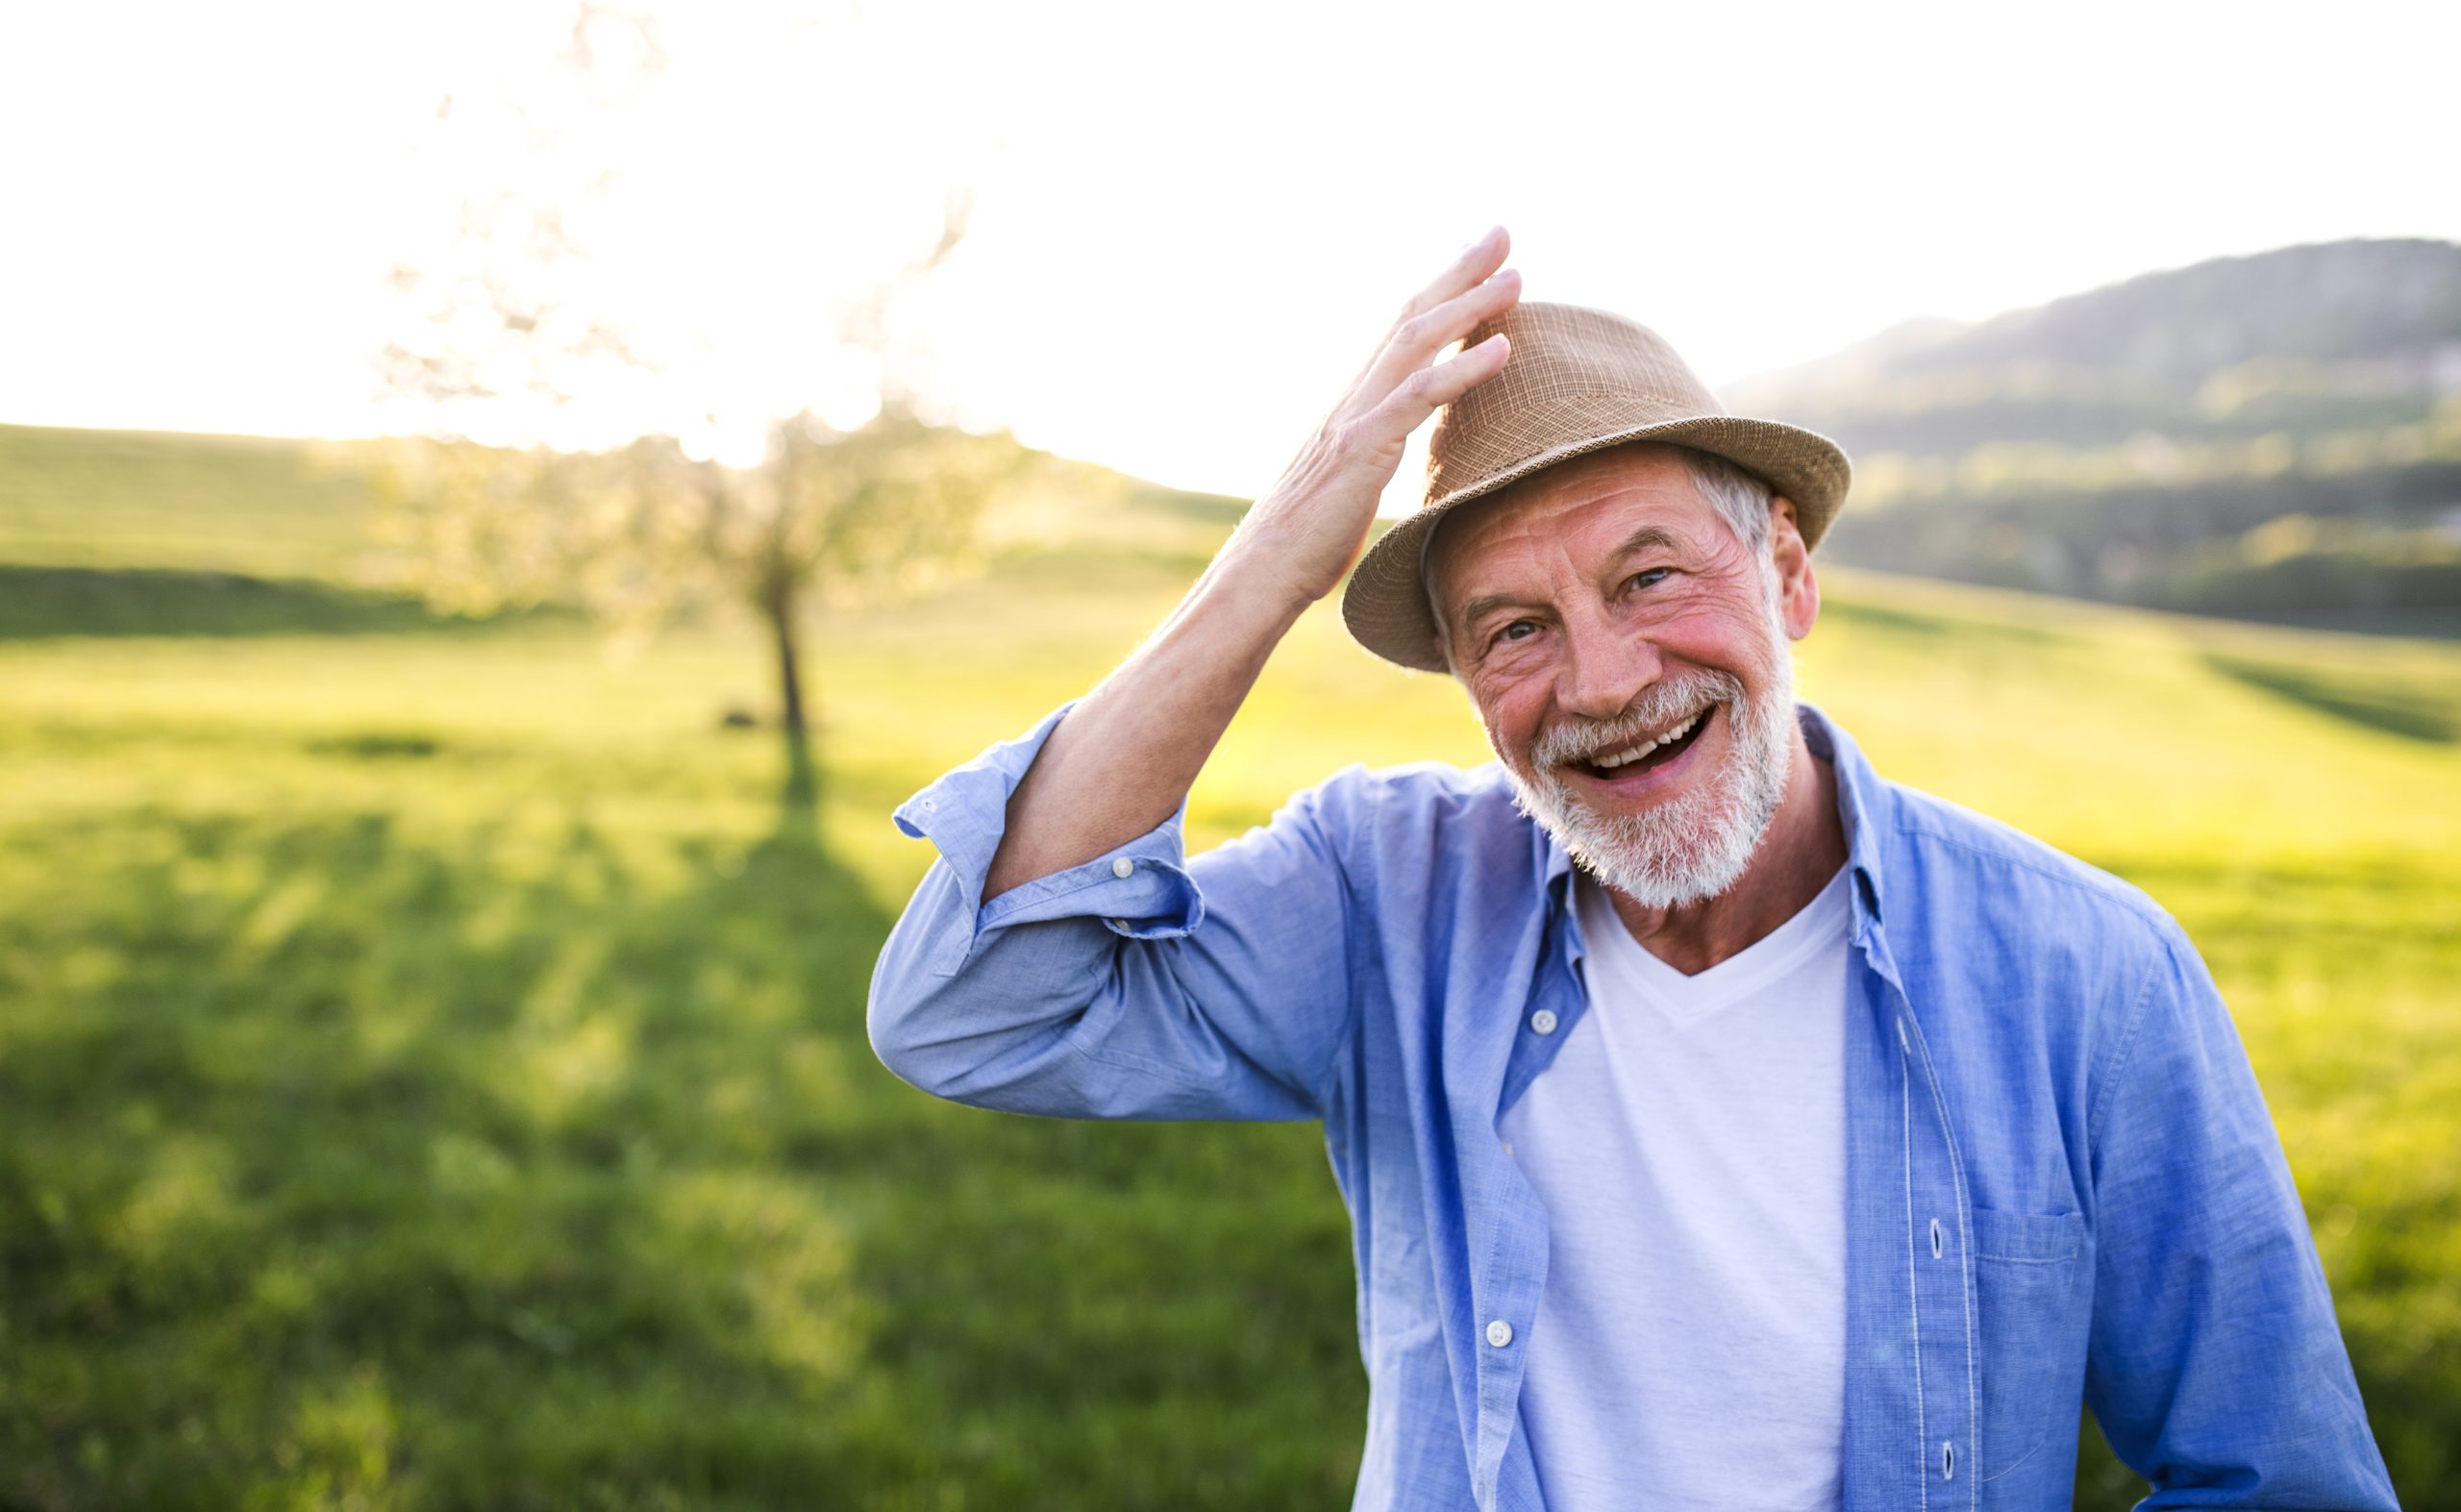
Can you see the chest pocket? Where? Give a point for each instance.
(2027, 1268)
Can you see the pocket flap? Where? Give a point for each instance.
(2027, 1238)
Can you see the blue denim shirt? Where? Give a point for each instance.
(2062, 1183)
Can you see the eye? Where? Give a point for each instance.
(1518, 630)
(1648, 577)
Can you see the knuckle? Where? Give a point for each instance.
(1413, 331)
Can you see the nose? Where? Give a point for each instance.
(1605, 666)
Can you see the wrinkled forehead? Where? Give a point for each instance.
(1638, 483)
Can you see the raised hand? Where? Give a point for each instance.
(1123, 758)
(1305, 531)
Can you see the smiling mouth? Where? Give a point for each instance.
(1646, 753)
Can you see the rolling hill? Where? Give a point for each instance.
(2271, 436)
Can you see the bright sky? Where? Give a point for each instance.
(1191, 225)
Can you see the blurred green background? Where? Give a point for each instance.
(432, 1069)
(439, 878)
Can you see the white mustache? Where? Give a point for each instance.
(1660, 706)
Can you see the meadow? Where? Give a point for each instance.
(432, 1069)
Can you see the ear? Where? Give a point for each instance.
(1798, 587)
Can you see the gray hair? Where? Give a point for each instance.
(1740, 497)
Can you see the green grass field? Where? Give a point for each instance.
(433, 1070)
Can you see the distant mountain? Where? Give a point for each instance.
(2306, 339)
(2276, 435)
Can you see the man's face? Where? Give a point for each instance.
(1627, 656)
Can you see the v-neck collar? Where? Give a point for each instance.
(1820, 923)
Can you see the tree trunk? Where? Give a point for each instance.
(781, 610)
(802, 779)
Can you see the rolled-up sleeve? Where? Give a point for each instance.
(1140, 985)
(2216, 1367)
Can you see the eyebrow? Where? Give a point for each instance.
(1646, 536)
(1640, 540)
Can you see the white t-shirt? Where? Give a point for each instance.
(1689, 1142)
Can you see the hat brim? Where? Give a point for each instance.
(1386, 609)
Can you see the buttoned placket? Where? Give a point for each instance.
(1913, 1374)
(1913, 1381)
(1506, 1295)
(1938, 1225)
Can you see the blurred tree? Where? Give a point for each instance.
(642, 534)
(512, 327)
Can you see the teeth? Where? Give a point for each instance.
(1633, 755)
(1609, 763)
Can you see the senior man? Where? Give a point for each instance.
(1722, 1125)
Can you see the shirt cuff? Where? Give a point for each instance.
(1140, 889)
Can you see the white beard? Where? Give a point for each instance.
(1692, 847)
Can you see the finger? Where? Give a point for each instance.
(1416, 341)
(1431, 389)
(1472, 266)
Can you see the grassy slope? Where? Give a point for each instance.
(272, 508)
(433, 1070)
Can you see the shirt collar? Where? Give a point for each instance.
(1861, 798)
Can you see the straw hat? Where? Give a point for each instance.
(1577, 380)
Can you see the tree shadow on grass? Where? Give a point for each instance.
(344, 1158)
(545, 1163)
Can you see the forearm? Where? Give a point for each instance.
(1005, 982)
(1123, 759)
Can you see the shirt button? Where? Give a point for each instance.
(1543, 1021)
(1499, 1333)
(1123, 867)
